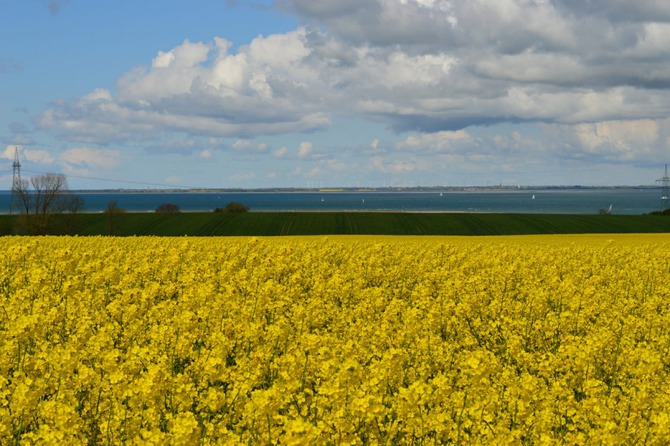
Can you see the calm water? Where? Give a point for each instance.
(589, 201)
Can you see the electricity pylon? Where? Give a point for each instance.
(16, 179)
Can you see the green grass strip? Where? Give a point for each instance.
(323, 223)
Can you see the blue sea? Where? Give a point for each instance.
(623, 201)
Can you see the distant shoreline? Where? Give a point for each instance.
(329, 190)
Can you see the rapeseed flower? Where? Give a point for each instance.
(348, 340)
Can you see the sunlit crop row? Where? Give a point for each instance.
(340, 340)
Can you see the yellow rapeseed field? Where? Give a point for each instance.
(335, 340)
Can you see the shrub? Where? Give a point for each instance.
(167, 208)
(233, 207)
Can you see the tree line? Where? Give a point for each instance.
(41, 200)
(45, 205)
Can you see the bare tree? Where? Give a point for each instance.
(73, 205)
(40, 199)
(21, 196)
(49, 189)
(115, 217)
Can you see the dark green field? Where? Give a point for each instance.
(318, 223)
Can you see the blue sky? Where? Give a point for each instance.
(353, 93)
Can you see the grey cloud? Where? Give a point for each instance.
(547, 49)
(329, 50)
(93, 121)
(512, 27)
(328, 9)
(18, 128)
(618, 10)
(375, 21)
(54, 5)
(20, 134)
(424, 124)
(236, 110)
(9, 66)
(181, 146)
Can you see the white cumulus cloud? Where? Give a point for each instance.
(91, 157)
(248, 145)
(32, 155)
(305, 149)
(281, 152)
(433, 71)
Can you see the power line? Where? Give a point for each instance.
(114, 180)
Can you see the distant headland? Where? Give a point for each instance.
(485, 188)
